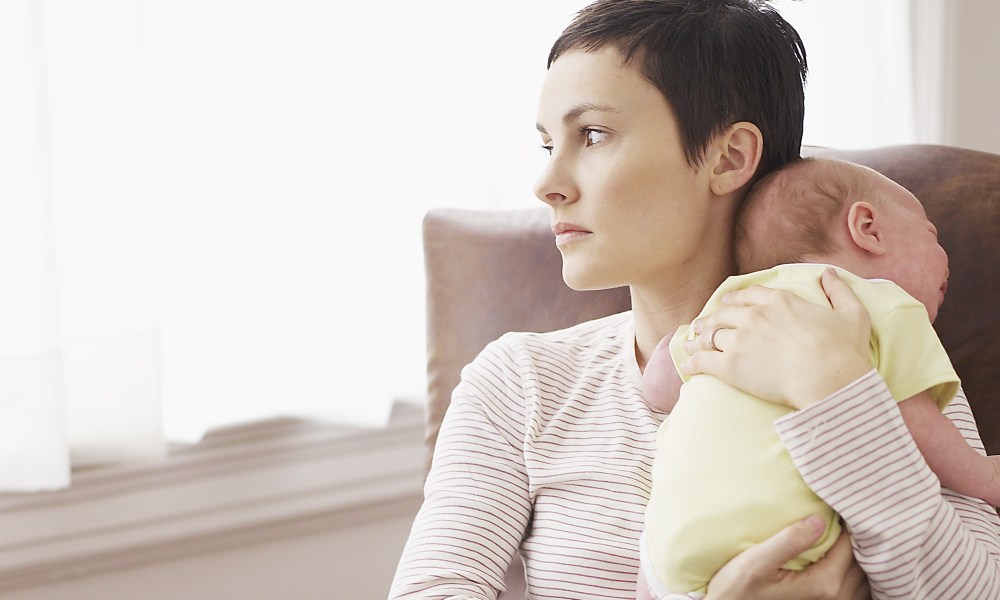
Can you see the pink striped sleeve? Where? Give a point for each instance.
(476, 505)
(913, 539)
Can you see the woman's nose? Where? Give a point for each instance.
(553, 186)
(553, 198)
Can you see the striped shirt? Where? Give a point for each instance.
(547, 448)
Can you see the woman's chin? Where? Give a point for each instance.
(586, 281)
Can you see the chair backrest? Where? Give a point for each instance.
(960, 189)
(489, 272)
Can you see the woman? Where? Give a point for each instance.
(659, 115)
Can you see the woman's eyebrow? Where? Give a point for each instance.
(575, 112)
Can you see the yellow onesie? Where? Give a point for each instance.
(722, 480)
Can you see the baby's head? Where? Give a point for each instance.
(837, 212)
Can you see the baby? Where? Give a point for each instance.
(722, 480)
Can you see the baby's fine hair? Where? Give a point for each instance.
(716, 62)
(789, 215)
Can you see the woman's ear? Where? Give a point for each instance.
(737, 154)
(865, 228)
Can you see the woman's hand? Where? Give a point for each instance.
(756, 574)
(779, 347)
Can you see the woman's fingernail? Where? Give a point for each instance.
(816, 523)
(696, 325)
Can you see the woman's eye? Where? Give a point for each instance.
(547, 148)
(594, 136)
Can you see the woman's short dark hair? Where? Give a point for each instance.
(717, 62)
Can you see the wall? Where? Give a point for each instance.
(971, 78)
(351, 562)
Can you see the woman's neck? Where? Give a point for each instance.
(674, 291)
(658, 311)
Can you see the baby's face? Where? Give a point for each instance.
(914, 259)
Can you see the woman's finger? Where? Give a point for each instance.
(751, 295)
(709, 363)
(709, 340)
(785, 545)
(843, 299)
(757, 571)
(849, 578)
(856, 584)
(840, 553)
(837, 291)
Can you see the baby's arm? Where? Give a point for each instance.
(959, 466)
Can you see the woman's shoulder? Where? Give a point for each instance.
(600, 352)
(577, 348)
(605, 332)
(610, 327)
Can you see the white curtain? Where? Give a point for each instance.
(80, 362)
(859, 92)
(306, 140)
(31, 410)
(210, 210)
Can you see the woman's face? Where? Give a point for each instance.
(626, 207)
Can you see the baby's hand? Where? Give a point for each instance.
(661, 384)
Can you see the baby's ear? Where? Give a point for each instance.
(734, 157)
(864, 225)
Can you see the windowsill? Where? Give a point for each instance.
(243, 485)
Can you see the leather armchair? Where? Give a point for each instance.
(489, 272)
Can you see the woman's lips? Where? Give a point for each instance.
(568, 232)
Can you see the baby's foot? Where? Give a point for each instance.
(661, 384)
